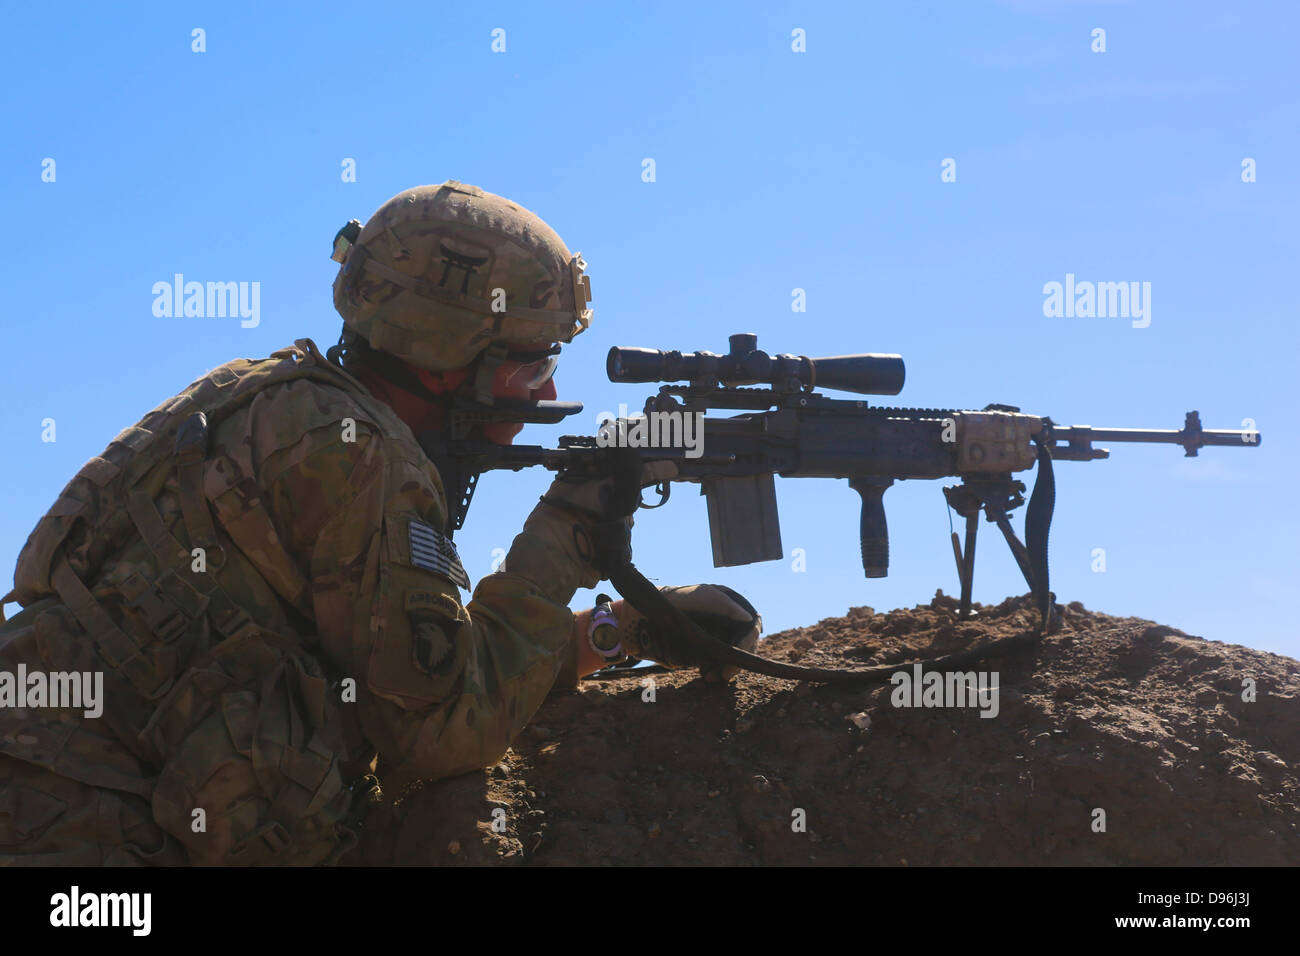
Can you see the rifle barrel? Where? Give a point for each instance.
(1167, 436)
(1078, 439)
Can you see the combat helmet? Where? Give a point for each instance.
(440, 273)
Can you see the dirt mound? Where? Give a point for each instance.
(1114, 722)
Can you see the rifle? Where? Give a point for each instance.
(790, 429)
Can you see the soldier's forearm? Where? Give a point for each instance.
(545, 553)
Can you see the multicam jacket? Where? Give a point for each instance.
(259, 570)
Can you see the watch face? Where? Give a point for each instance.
(605, 638)
(603, 634)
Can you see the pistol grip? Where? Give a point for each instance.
(873, 529)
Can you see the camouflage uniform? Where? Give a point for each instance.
(258, 571)
(227, 690)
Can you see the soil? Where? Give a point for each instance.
(1117, 741)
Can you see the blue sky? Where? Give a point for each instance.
(775, 170)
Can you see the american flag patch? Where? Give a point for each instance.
(433, 551)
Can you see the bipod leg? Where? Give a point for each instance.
(1018, 550)
(1026, 568)
(968, 564)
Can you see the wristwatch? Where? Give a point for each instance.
(602, 633)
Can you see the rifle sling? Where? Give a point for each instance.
(646, 598)
(1038, 522)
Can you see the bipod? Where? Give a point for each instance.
(996, 497)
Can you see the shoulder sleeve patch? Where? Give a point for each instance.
(434, 551)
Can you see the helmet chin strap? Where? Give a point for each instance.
(488, 361)
(394, 370)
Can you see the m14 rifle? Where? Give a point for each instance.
(789, 428)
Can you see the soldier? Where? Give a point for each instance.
(261, 572)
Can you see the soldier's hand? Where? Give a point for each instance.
(604, 507)
(581, 528)
(595, 497)
(719, 610)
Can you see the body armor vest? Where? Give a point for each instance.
(168, 620)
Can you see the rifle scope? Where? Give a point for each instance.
(746, 364)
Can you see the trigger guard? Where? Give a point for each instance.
(665, 489)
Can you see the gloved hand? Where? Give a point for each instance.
(719, 610)
(595, 498)
(560, 546)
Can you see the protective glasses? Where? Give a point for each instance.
(529, 370)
